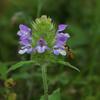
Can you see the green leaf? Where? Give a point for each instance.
(69, 65)
(54, 96)
(19, 64)
(66, 64)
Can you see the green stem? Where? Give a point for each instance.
(45, 83)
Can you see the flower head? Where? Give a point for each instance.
(42, 38)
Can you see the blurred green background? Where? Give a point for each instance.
(83, 17)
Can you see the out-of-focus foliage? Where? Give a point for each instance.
(83, 17)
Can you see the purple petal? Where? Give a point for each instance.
(30, 50)
(61, 37)
(24, 42)
(21, 33)
(24, 28)
(26, 46)
(62, 27)
(56, 52)
(41, 49)
(59, 43)
(24, 33)
(25, 37)
(25, 50)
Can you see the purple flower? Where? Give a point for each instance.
(24, 30)
(62, 27)
(25, 39)
(59, 50)
(56, 50)
(61, 39)
(41, 46)
(24, 49)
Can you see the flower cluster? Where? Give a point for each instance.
(61, 39)
(41, 46)
(25, 39)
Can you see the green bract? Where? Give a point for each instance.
(43, 27)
